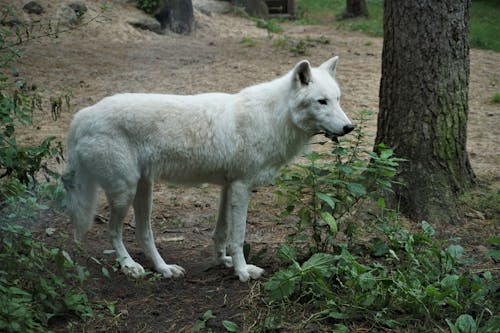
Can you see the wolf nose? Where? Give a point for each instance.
(348, 128)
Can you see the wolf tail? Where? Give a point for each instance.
(81, 196)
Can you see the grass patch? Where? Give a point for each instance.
(495, 99)
(331, 11)
(248, 42)
(485, 19)
(485, 24)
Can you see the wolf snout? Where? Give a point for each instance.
(348, 128)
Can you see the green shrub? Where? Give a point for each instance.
(414, 278)
(37, 283)
(381, 276)
(322, 193)
(148, 6)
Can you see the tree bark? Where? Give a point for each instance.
(355, 8)
(176, 15)
(424, 103)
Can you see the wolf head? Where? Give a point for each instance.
(315, 105)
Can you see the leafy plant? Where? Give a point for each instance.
(37, 283)
(201, 324)
(18, 99)
(272, 26)
(148, 6)
(322, 193)
(413, 278)
(384, 275)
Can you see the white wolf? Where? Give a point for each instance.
(237, 141)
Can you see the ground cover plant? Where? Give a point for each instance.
(345, 272)
(38, 283)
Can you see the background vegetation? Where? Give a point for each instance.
(485, 19)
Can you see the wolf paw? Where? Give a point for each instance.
(225, 260)
(133, 269)
(169, 271)
(250, 272)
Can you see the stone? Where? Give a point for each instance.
(33, 7)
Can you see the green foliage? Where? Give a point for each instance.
(17, 101)
(325, 191)
(495, 99)
(299, 47)
(148, 6)
(414, 277)
(485, 19)
(272, 26)
(485, 24)
(384, 275)
(201, 325)
(37, 283)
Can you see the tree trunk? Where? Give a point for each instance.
(355, 8)
(176, 15)
(424, 103)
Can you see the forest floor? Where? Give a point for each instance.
(226, 53)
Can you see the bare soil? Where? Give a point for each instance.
(108, 56)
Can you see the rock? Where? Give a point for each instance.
(72, 13)
(78, 7)
(33, 7)
(148, 24)
(208, 7)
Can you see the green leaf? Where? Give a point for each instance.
(455, 251)
(356, 189)
(339, 328)
(286, 252)
(381, 202)
(450, 281)
(105, 272)
(337, 315)
(428, 229)
(208, 315)
(366, 281)
(198, 326)
(321, 261)
(493, 253)
(230, 326)
(327, 199)
(281, 285)
(466, 324)
(330, 220)
(494, 240)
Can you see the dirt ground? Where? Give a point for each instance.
(108, 56)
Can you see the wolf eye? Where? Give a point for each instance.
(322, 101)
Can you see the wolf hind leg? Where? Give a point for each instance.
(144, 233)
(120, 202)
(222, 230)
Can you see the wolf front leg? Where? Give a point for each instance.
(238, 197)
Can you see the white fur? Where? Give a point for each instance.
(125, 142)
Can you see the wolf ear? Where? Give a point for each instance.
(330, 66)
(302, 73)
